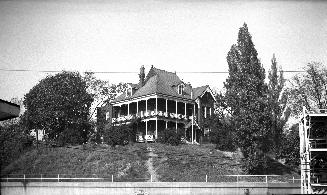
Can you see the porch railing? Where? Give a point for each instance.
(152, 113)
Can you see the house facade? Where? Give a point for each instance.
(162, 100)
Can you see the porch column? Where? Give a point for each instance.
(193, 123)
(176, 115)
(185, 117)
(137, 108)
(146, 105)
(156, 104)
(166, 105)
(146, 127)
(119, 111)
(166, 112)
(156, 127)
(185, 109)
(156, 117)
(210, 111)
(127, 109)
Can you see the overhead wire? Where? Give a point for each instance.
(130, 72)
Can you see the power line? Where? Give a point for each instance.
(128, 72)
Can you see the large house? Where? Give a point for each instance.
(162, 100)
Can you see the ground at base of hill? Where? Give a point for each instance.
(135, 162)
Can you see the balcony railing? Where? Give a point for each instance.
(317, 111)
(149, 114)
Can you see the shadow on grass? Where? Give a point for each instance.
(277, 168)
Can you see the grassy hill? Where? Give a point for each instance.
(125, 163)
(191, 163)
(182, 163)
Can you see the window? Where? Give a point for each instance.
(180, 89)
(129, 92)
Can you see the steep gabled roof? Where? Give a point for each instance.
(199, 91)
(163, 82)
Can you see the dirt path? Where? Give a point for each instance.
(149, 164)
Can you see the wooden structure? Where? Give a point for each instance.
(313, 151)
(162, 100)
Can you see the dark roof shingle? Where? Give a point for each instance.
(162, 82)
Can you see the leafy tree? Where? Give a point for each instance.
(98, 89)
(308, 89)
(291, 146)
(246, 95)
(221, 133)
(60, 105)
(277, 102)
(102, 107)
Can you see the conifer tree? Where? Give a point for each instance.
(246, 95)
(277, 102)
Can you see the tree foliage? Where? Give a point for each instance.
(308, 89)
(14, 140)
(118, 135)
(221, 132)
(277, 98)
(246, 95)
(60, 105)
(291, 146)
(102, 108)
(101, 91)
(170, 136)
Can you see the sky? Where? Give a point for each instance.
(174, 35)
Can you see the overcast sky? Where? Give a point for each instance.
(175, 35)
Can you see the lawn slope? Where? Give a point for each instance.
(125, 163)
(134, 162)
(191, 163)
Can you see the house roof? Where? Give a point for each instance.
(162, 82)
(135, 86)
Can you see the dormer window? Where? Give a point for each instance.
(180, 89)
(129, 92)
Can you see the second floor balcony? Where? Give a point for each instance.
(152, 114)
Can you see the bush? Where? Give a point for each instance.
(254, 161)
(170, 136)
(118, 135)
(290, 150)
(13, 142)
(221, 133)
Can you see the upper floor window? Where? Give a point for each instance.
(180, 89)
(129, 92)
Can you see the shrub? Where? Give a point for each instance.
(118, 135)
(13, 141)
(290, 150)
(221, 133)
(170, 136)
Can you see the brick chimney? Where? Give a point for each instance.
(141, 76)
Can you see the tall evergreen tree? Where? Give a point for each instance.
(246, 95)
(277, 102)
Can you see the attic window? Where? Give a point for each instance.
(129, 91)
(180, 89)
